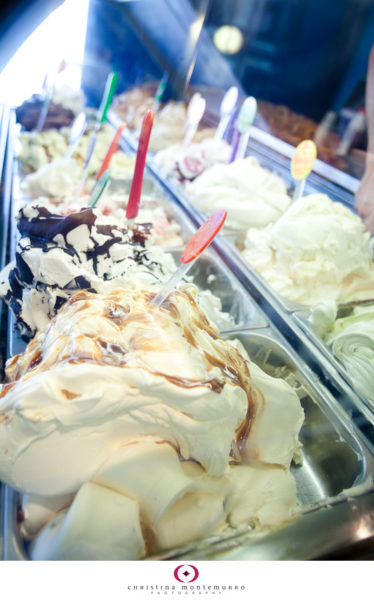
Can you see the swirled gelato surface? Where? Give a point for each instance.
(252, 195)
(351, 339)
(318, 250)
(149, 405)
(59, 255)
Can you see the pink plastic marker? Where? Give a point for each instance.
(111, 150)
(137, 182)
(197, 244)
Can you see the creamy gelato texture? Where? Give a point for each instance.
(185, 164)
(318, 250)
(132, 105)
(61, 177)
(351, 339)
(78, 534)
(252, 195)
(39, 149)
(68, 97)
(100, 350)
(147, 416)
(169, 127)
(60, 255)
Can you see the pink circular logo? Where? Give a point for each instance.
(186, 573)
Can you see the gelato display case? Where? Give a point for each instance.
(234, 418)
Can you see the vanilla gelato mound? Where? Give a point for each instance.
(252, 195)
(318, 250)
(163, 432)
(132, 105)
(169, 127)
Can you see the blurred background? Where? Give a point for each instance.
(305, 61)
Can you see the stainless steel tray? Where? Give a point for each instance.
(336, 471)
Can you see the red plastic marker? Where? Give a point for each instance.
(203, 236)
(111, 150)
(197, 244)
(137, 182)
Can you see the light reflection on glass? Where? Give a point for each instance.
(60, 36)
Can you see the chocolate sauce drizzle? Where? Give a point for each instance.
(41, 230)
(228, 359)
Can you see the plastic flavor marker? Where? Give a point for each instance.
(302, 164)
(48, 96)
(133, 203)
(195, 111)
(77, 129)
(99, 188)
(86, 164)
(111, 150)
(110, 87)
(160, 91)
(247, 115)
(197, 244)
(227, 107)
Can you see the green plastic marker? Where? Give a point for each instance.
(110, 87)
(99, 188)
(246, 117)
(160, 91)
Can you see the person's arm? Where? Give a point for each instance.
(364, 202)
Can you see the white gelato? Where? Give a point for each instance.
(318, 250)
(37, 510)
(99, 525)
(169, 127)
(165, 481)
(322, 316)
(69, 98)
(58, 178)
(108, 370)
(252, 195)
(273, 502)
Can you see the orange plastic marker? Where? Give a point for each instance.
(111, 150)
